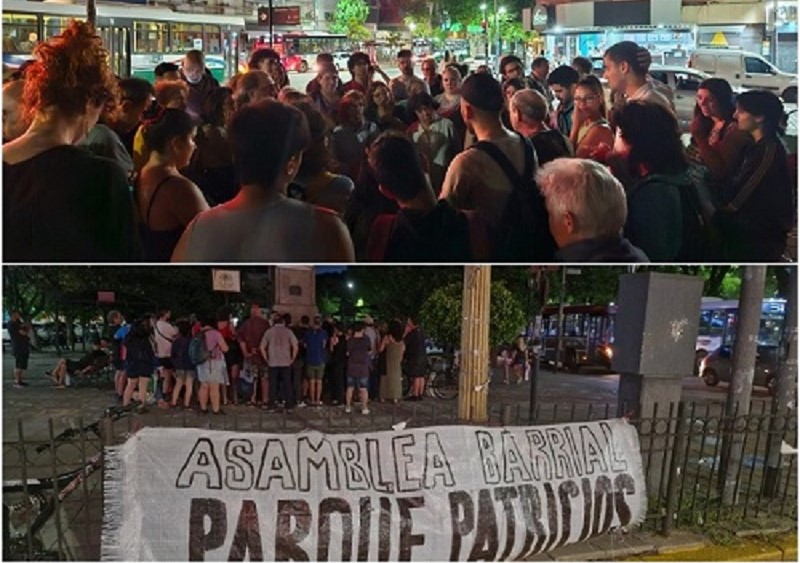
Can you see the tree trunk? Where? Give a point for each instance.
(785, 389)
(743, 369)
(474, 380)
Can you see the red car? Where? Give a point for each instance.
(296, 63)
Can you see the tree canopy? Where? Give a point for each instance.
(350, 17)
(441, 315)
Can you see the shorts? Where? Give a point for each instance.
(359, 382)
(21, 360)
(258, 371)
(165, 363)
(143, 375)
(185, 373)
(315, 372)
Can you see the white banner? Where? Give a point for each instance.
(433, 494)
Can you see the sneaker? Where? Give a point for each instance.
(347, 409)
(269, 407)
(365, 410)
(301, 404)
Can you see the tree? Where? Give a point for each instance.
(350, 17)
(441, 314)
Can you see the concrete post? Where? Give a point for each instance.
(655, 333)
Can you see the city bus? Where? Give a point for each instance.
(719, 318)
(588, 330)
(587, 335)
(137, 37)
(298, 50)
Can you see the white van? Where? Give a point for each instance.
(746, 70)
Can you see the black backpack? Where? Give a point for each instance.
(524, 234)
(696, 233)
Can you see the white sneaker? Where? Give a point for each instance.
(365, 410)
(347, 409)
(301, 404)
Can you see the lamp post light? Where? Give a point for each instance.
(498, 11)
(485, 33)
(412, 27)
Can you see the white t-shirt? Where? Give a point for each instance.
(165, 334)
(650, 92)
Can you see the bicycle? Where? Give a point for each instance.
(23, 520)
(443, 378)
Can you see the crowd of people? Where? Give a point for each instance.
(447, 167)
(264, 361)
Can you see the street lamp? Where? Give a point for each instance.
(485, 33)
(500, 10)
(412, 27)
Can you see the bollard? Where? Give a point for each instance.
(534, 396)
(505, 418)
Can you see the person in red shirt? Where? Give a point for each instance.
(358, 65)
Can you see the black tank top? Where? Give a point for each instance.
(158, 245)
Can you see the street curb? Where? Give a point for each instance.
(770, 549)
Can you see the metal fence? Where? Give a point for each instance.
(688, 450)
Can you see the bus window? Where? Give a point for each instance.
(213, 39)
(186, 36)
(20, 34)
(54, 25)
(149, 37)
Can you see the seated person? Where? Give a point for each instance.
(587, 209)
(94, 359)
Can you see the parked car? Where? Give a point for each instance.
(479, 60)
(718, 366)
(684, 83)
(295, 63)
(340, 59)
(747, 70)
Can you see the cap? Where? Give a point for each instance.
(483, 91)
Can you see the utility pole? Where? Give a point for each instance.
(91, 13)
(473, 385)
(560, 333)
(271, 14)
(785, 384)
(741, 386)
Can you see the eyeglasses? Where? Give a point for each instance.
(587, 99)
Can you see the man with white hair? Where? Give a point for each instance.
(587, 211)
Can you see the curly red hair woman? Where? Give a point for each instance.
(61, 203)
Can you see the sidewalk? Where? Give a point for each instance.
(679, 546)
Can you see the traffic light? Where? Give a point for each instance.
(484, 25)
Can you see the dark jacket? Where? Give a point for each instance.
(655, 221)
(550, 145)
(440, 235)
(603, 249)
(198, 93)
(757, 208)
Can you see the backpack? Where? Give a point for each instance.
(696, 232)
(524, 234)
(198, 348)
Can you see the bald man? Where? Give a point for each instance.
(14, 123)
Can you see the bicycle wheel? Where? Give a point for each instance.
(445, 385)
